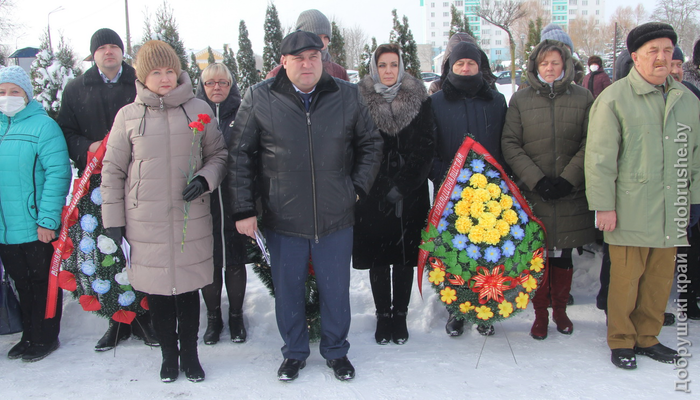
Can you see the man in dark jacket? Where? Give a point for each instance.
(88, 107)
(308, 143)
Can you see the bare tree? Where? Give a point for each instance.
(355, 40)
(681, 14)
(7, 24)
(587, 36)
(503, 14)
(534, 10)
(640, 14)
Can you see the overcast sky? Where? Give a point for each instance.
(205, 23)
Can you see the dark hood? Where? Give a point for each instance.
(228, 107)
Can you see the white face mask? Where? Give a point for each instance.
(11, 105)
(593, 67)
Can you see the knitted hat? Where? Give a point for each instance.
(458, 37)
(105, 36)
(696, 53)
(314, 21)
(678, 54)
(16, 75)
(555, 32)
(155, 54)
(465, 50)
(299, 41)
(649, 31)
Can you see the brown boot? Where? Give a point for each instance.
(559, 289)
(540, 302)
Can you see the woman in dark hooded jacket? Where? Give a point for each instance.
(390, 218)
(218, 88)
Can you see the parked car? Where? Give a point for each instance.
(504, 77)
(353, 75)
(429, 76)
(609, 71)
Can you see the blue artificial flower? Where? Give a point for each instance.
(517, 232)
(492, 173)
(96, 196)
(492, 254)
(478, 165)
(473, 251)
(88, 267)
(87, 244)
(456, 193)
(449, 209)
(101, 286)
(88, 222)
(442, 225)
(523, 216)
(126, 298)
(508, 248)
(504, 187)
(459, 242)
(464, 175)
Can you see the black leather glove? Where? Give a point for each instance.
(563, 187)
(195, 189)
(394, 196)
(115, 234)
(547, 189)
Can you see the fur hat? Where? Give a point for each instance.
(105, 36)
(299, 41)
(315, 22)
(595, 60)
(16, 75)
(555, 32)
(649, 31)
(155, 54)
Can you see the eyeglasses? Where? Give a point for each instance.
(214, 83)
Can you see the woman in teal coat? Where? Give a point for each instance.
(36, 175)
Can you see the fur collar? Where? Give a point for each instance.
(454, 94)
(691, 73)
(392, 117)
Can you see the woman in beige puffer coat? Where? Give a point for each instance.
(144, 189)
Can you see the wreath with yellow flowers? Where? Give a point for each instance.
(484, 247)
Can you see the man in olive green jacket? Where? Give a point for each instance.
(642, 166)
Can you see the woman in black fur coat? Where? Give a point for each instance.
(389, 220)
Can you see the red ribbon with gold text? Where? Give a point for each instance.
(443, 196)
(63, 247)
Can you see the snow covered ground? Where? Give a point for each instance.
(431, 365)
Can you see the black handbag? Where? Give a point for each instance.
(10, 312)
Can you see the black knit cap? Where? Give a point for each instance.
(465, 50)
(105, 36)
(649, 31)
(696, 53)
(299, 41)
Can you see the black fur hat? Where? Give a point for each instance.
(649, 31)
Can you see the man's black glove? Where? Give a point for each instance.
(563, 187)
(195, 189)
(394, 196)
(547, 189)
(115, 234)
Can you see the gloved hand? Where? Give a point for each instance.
(115, 234)
(563, 187)
(394, 196)
(547, 189)
(195, 189)
(694, 215)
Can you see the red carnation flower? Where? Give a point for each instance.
(204, 118)
(197, 125)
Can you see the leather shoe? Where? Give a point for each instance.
(454, 326)
(115, 334)
(37, 352)
(289, 370)
(669, 319)
(485, 330)
(624, 358)
(142, 329)
(658, 352)
(18, 350)
(342, 368)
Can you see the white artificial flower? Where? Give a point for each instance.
(106, 245)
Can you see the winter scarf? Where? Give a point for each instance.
(389, 93)
(392, 117)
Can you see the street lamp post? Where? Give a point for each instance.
(48, 24)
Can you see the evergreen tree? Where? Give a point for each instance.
(402, 35)
(66, 57)
(533, 36)
(194, 71)
(460, 22)
(50, 75)
(166, 30)
(337, 46)
(230, 62)
(210, 58)
(273, 40)
(246, 60)
(365, 58)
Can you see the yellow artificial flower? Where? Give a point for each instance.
(505, 309)
(536, 264)
(466, 307)
(510, 216)
(506, 202)
(478, 181)
(487, 220)
(483, 312)
(492, 236)
(436, 276)
(522, 300)
(502, 227)
(530, 284)
(494, 207)
(494, 190)
(462, 208)
(476, 209)
(463, 225)
(468, 194)
(448, 295)
(476, 234)
(481, 196)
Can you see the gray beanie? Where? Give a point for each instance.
(19, 77)
(555, 32)
(314, 21)
(678, 54)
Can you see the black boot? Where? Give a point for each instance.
(383, 333)
(400, 331)
(214, 327)
(402, 280)
(188, 327)
(164, 320)
(115, 334)
(142, 329)
(454, 326)
(237, 327)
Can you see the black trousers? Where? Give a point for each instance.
(28, 264)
